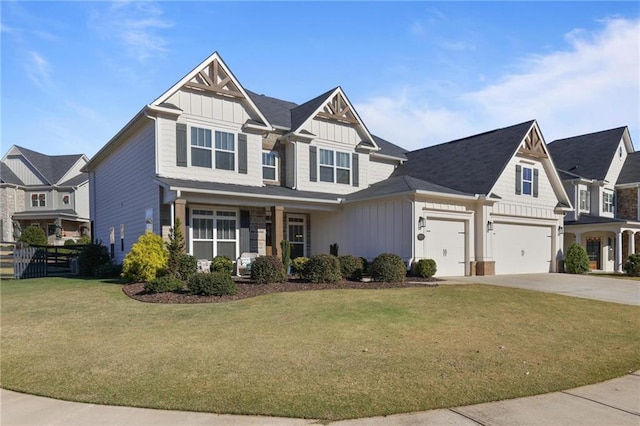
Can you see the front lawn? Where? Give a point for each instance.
(330, 354)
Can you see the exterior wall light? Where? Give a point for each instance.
(422, 222)
(560, 230)
(489, 226)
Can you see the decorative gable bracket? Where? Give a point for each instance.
(533, 145)
(214, 79)
(338, 109)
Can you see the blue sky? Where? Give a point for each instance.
(418, 73)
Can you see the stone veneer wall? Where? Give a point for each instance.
(11, 200)
(627, 203)
(257, 230)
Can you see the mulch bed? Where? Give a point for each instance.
(247, 289)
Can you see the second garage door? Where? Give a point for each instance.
(445, 243)
(521, 249)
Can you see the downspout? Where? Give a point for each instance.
(413, 231)
(295, 165)
(155, 138)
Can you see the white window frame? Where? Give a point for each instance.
(199, 147)
(607, 202)
(212, 148)
(40, 199)
(196, 213)
(586, 206)
(275, 166)
(334, 165)
(226, 151)
(528, 181)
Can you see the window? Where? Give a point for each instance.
(585, 200)
(200, 147)
(65, 200)
(225, 151)
(527, 180)
(607, 202)
(38, 200)
(269, 165)
(215, 233)
(296, 231)
(335, 166)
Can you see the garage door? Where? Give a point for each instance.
(521, 249)
(445, 241)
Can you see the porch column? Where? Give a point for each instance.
(632, 243)
(180, 206)
(277, 229)
(578, 238)
(618, 266)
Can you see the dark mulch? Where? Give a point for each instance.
(247, 289)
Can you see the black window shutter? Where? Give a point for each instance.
(313, 164)
(181, 145)
(242, 153)
(518, 179)
(245, 233)
(535, 182)
(355, 169)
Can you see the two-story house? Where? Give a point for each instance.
(600, 172)
(244, 171)
(48, 191)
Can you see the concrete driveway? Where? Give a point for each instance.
(595, 287)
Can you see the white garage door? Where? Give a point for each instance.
(521, 249)
(445, 243)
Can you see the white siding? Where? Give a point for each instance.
(125, 188)
(207, 106)
(365, 229)
(345, 134)
(616, 164)
(81, 200)
(379, 170)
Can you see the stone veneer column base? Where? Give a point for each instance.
(486, 267)
(472, 268)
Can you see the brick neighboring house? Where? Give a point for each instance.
(601, 175)
(48, 191)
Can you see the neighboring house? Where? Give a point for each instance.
(601, 174)
(244, 171)
(48, 191)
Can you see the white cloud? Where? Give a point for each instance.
(38, 70)
(592, 85)
(136, 25)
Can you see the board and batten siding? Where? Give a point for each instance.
(80, 200)
(124, 182)
(365, 229)
(345, 134)
(24, 171)
(207, 106)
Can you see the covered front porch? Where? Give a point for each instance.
(609, 242)
(58, 226)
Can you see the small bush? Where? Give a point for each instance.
(146, 260)
(213, 284)
(163, 285)
(84, 239)
(268, 269)
(175, 249)
(69, 243)
(33, 236)
(388, 267)
(632, 265)
(297, 265)
(351, 267)
(365, 265)
(91, 258)
(426, 268)
(322, 268)
(576, 260)
(108, 270)
(285, 246)
(187, 266)
(222, 264)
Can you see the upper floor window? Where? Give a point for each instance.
(202, 149)
(335, 166)
(527, 180)
(585, 200)
(39, 200)
(607, 202)
(269, 165)
(65, 200)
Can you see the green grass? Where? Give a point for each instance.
(327, 355)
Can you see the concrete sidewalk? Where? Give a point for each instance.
(614, 402)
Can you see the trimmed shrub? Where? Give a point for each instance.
(632, 265)
(388, 267)
(187, 266)
(33, 236)
(146, 260)
(426, 268)
(69, 243)
(163, 284)
(268, 269)
(91, 258)
(285, 245)
(108, 270)
(577, 260)
(322, 268)
(351, 267)
(297, 265)
(84, 239)
(221, 264)
(175, 249)
(213, 284)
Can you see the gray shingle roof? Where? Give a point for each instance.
(301, 113)
(387, 148)
(399, 185)
(587, 155)
(76, 180)
(470, 165)
(52, 167)
(7, 175)
(631, 169)
(277, 111)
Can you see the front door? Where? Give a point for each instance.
(594, 251)
(296, 234)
